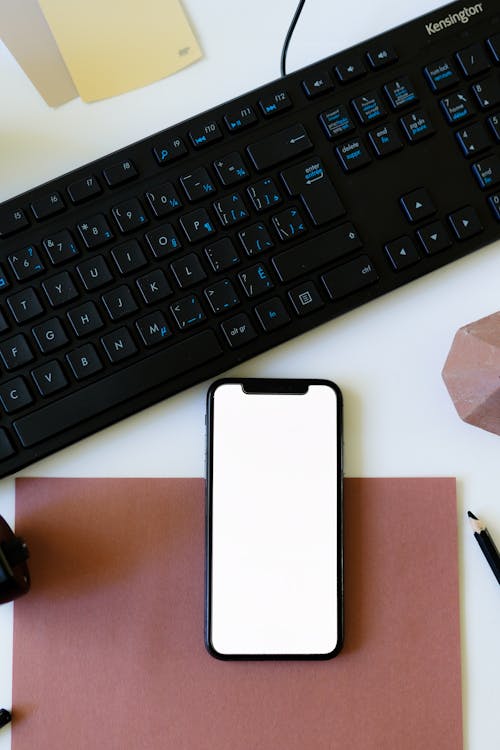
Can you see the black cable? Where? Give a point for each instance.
(289, 33)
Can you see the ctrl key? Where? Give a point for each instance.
(350, 277)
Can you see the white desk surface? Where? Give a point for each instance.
(387, 357)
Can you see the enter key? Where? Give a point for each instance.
(310, 181)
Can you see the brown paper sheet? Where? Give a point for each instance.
(108, 645)
(111, 47)
(25, 32)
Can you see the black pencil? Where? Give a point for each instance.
(486, 543)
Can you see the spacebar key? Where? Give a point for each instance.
(98, 397)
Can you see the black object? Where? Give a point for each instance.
(5, 717)
(485, 541)
(14, 573)
(316, 204)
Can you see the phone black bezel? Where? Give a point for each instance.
(273, 385)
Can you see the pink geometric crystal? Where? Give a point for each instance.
(472, 373)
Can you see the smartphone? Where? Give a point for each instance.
(274, 519)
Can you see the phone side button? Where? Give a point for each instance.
(238, 330)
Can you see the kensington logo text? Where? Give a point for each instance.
(461, 16)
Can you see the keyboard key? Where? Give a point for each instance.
(49, 335)
(85, 319)
(465, 223)
(352, 154)
(305, 298)
(222, 255)
(60, 289)
(95, 231)
(336, 122)
(417, 126)
(167, 149)
(6, 447)
(231, 210)
(49, 378)
(494, 123)
(264, 194)
(441, 75)
(187, 312)
(275, 102)
(154, 287)
(163, 200)
(402, 253)
(349, 69)
(118, 345)
(494, 47)
(349, 278)
(368, 107)
(473, 60)
(188, 271)
(4, 281)
(60, 247)
(94, 273)
(231, 169)
(120, 172)
(401, 93)
(310, 181)
(115, 389)
(84, 361)
(129, 215)
(153, 328)
(238, 330)
(288, 224)
(473, 139)
(197, 184)
(316, 83)
(456, 107)
(15, 352)
(385, 140)
(279, 147)
(25, 305)
(163, 240)
(12, 220)
(221, 296)
(26, 263)
(380, 56)
(128, 257)
(314, 253)
(255, 239)
(197, 225)
(434, 237)
(255, 280)
(417, 205)
(14, 395)
(119, 302)
(494, 201)
(47, 205)
(84, 189)
(272, 314)
(487, 171)
(205, 133)
(239, 118)
(487, 93)
(4, 326)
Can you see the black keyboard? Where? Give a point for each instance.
(174, 259)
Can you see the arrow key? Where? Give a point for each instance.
(417, 205)
(465, 223)
(402, 253)
(434, 237)
(487, 93)
(473, 139)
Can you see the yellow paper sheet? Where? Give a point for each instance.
(113, 46)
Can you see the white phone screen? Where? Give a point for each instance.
(274, 486)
